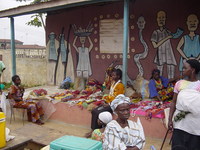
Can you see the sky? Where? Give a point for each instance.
(27, 34)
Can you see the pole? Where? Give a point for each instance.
(125, 41)
(13, 46)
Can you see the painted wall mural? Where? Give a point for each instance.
(84, 67)
(58, 67)
(189, 45)
(161, 41)
(155, 37)
(141, 25)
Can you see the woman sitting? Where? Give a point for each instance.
(103, 120)
(159, 87)
(108, 78)
(16, 93)
(123, 134)
(117, 88)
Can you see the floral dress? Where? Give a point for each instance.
(97, 135)
(35, 109)
(161, 88)
(164, 93)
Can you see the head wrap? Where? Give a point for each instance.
(194, 64)
(105, 117)
(120, 99)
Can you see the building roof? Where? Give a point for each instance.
(27, 47)
(49, 6)
(19, 45)
(8, 41)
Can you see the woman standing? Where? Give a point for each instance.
(117, 88)
(123, 134)
(185, 109)
(16, 93)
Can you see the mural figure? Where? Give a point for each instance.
(189, 45)
(141, 24)
(161, 41)
(84, 67)
(52, 47)
(63, 49)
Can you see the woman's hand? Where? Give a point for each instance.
(132, 148)
(170, 125)
(105, 104)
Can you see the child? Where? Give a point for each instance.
(103, 119)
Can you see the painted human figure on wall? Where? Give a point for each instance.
(189, 45)
(161, 41)
(52, 47)
(84, 67)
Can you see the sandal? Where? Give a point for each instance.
(39, 122)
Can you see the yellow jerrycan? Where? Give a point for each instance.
(2, 130)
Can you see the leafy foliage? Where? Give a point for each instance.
(37, 19)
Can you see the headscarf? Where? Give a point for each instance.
(105, 117)
(120, 99)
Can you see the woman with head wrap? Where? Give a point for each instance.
(16, 93)
(160, 88)
(123, 134)
(103, 120)
(185, 108)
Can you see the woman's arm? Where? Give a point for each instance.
(17, 99)
(152, 89)
(172, 110)
(132, 148)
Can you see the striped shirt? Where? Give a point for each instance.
(118, 138)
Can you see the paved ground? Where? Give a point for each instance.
(53, 129)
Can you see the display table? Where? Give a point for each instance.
(154, 127)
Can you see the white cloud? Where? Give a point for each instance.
(23, 32)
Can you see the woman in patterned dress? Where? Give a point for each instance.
(160, 88)
(16, 93)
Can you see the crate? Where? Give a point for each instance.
(75, 143)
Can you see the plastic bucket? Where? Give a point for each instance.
(2, 130)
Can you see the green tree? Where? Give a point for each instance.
(36, 19)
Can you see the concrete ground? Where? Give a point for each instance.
(52, 130)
